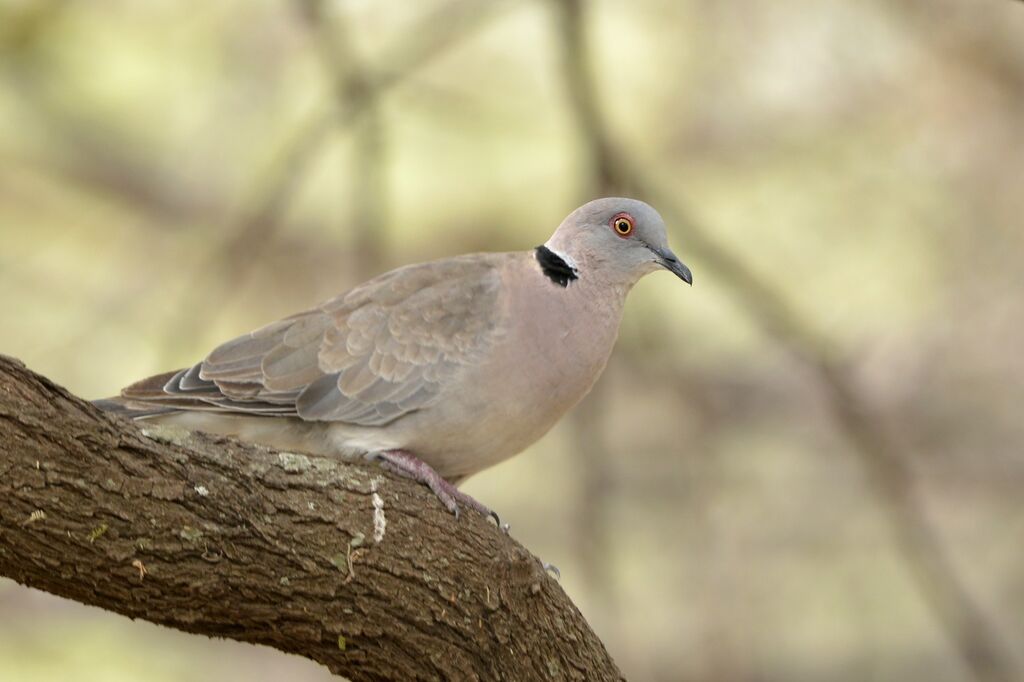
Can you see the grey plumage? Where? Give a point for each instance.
(462, 361)
(367, 357)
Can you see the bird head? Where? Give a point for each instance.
(618, 239)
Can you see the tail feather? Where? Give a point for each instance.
(150, 387)
(132, 409)
(184, 390)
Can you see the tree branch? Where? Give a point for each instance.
(342, 563)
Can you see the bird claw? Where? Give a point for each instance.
(411, 466)
(551, 568)
(503, 527)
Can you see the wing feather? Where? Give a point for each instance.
(368, 357)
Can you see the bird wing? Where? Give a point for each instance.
(367, 357)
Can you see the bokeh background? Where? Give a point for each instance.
(807, 467)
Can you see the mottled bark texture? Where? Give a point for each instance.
(345, 564)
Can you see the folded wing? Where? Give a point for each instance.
(368, 357)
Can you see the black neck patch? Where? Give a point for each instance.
(554, 267)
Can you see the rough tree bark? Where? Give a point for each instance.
(344, 564)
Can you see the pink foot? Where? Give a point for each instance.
(411, 466)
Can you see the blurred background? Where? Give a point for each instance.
(807, 467)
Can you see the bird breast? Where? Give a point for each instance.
(551, 346)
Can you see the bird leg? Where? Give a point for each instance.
(409, 465)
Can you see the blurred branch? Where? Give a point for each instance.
(100, 160)
(92, 153)
(345, 564)
(580, 84)
(888, 471)
(357, 88)
(23, 24)
(353, 89)
(593, 515)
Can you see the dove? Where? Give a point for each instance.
(436, 370)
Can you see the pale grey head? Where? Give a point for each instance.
(622, 239)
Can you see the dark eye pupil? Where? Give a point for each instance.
(622, 225)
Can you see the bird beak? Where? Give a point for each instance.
(668, 260)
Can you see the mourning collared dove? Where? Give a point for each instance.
(438, 370)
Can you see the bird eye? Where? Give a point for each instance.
(623, 224)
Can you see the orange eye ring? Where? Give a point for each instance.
(622, 224)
